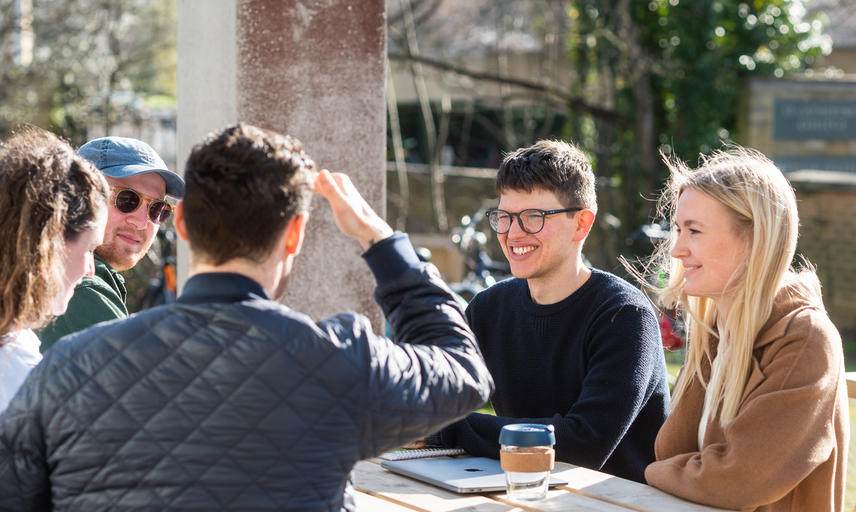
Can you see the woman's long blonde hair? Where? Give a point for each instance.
(765, 212)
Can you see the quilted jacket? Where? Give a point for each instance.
(227, 400)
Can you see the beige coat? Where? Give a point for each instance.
(787, 447)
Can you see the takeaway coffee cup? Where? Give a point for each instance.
(527, 457)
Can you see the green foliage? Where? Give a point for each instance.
(673, 70)
(91, 60)
(706, 48)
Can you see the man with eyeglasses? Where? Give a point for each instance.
(566, 344)
(139, 183)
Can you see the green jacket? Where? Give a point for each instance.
(96, 299)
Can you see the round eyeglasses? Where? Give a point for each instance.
(128, 200)
(530, 220)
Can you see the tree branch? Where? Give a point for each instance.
(573, 102)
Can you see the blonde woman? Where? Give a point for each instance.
(759, 415)
(54, 209)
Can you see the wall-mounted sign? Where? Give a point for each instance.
(814, 119)
(816, 163)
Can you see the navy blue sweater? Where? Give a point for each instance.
(592, 365)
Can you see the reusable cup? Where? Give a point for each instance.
(527, 457)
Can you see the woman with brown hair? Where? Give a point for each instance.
(54, 208)
(759, 415)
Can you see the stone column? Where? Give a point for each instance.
(313, 69)
(206, 82)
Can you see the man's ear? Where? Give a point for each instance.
(294, 231)
(180, 226)
(585, 220)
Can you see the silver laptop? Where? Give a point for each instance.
(461, 475)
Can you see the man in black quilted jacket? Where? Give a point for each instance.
(228, 400)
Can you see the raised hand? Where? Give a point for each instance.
(353, 215)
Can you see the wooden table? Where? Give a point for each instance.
(588, 490)
(851, 384)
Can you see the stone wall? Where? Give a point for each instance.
(313, 69)
(801, 124)
(808, 127)
(828, 240)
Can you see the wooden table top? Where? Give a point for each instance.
(851, 384)
(588, 490)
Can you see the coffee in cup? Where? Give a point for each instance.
(527, 457)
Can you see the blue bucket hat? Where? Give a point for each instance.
(122, 157)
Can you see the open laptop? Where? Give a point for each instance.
(461, 475)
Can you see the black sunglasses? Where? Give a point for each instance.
(530, 220)
(128, 200)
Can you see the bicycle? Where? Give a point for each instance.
(480, 270)
(671, 330)
(161, 289)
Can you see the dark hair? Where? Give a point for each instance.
(243, 185)
(48, 196)
(551, 165)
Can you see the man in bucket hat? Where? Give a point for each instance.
(139, 183)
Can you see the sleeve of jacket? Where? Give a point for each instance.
(89, 305)
(620, 380)
(433, 373)
(24, 483)
(782, 431)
